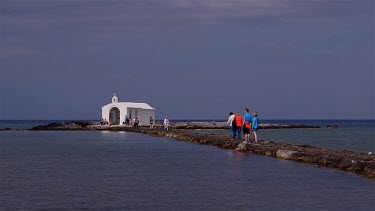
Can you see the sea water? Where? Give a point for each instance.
(355, 135)
(77, 170)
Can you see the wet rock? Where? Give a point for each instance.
(333, 126)
(285, 154)
(199, 125)
(75, 125)
(241, 147)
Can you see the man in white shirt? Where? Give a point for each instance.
(230, 123)
(166, 123)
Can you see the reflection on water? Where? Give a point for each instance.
(236, 155)
(114, 171)
(117, 135)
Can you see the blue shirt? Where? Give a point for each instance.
(254, 122)
(247, 118)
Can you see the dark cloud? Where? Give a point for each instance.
(189, 59)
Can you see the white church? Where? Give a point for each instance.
(116, 112)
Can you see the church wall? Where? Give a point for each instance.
(144, 116)
(122, 114)
(105, 113)
(106, 109)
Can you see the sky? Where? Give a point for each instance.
(189, 59)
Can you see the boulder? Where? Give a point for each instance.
(285, 154)
(333, 126)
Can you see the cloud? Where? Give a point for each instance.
(16, 51)
(105, 20)
(277, 7)
(81, 11)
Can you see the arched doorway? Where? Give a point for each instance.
(114, 116)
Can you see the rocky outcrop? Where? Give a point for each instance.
(284, 126)
(223, 125)
(333, 126)
(199, 125)
(75, 125)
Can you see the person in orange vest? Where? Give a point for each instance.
(239, 122)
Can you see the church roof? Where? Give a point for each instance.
(115, 102)
(131, 105)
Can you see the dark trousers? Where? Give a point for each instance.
(233, 130)
(239, 130)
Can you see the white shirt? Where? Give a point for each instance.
(166, 122)
(230, 120)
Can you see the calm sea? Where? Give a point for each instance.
(84, 170)
(355, 135)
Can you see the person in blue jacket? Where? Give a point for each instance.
(246, 125)
(254, 124)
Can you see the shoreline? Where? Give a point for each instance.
(356, 162)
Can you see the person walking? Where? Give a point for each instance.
(254, 124)
(126, 120)
(166, 123)
(151, 123)
(136, 122)
(232, 125)
(246, 125)
(239, 122)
